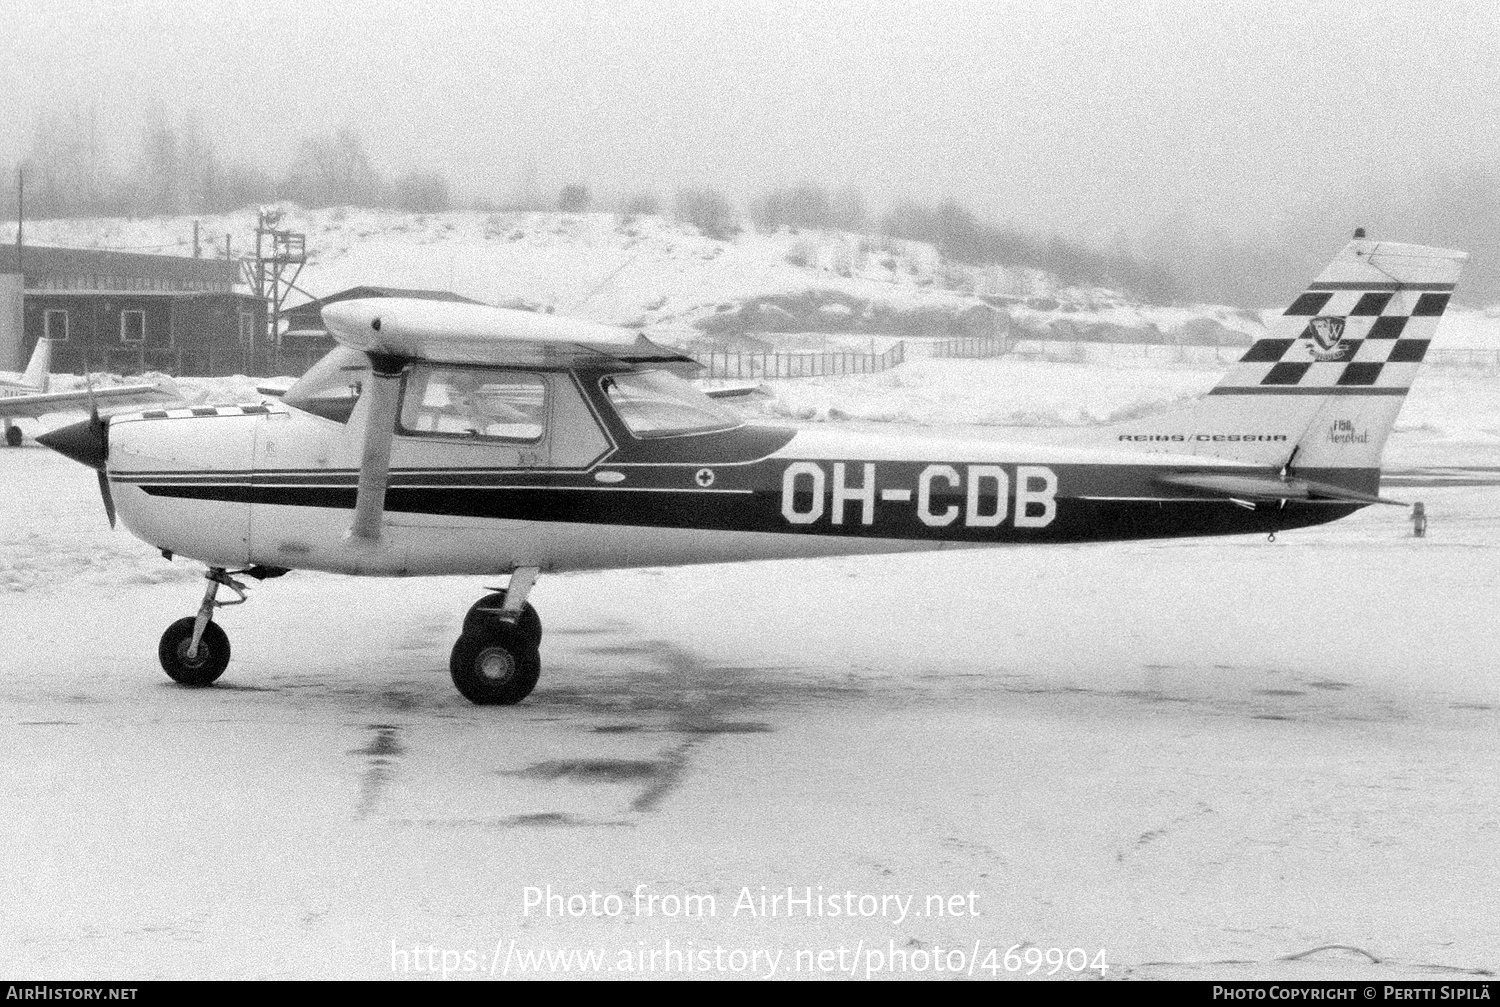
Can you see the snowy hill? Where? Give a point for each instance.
(665, 276)
(683, 287)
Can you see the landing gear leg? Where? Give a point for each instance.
(12, 434)
(194, 650)
(497, 660)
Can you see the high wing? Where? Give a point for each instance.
(39, 403)
(410, 329)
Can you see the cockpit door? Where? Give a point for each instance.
(493, 418)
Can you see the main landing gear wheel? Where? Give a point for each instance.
(496, 660)
(486, 611)
(495, 663)
(206, 665)
(13, 436)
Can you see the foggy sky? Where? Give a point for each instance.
(1089, 119)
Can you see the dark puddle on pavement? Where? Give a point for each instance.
(1283, 693)
(544, 818)
(382, 753)
(541, 820)
(589, 770)
(665, 690)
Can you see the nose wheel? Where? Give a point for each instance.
(194, 650)
(189, 666)
(497, 659)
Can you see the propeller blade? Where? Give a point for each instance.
(100, 429)
(109, 500)
(87, 443)
(88, 390)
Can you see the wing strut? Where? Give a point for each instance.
(375, 459)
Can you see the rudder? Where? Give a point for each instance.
(39, 367)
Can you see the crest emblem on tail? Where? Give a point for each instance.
(1327, 335)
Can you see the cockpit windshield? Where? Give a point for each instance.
(332, 386)
(659, 404)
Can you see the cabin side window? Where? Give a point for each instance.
(474, 403)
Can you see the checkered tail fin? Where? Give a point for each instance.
(1323, 387)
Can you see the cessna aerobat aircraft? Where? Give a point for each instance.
(460, 439)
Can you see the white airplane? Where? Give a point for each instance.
(461, 439)
(31, 395)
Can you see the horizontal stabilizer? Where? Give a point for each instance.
(732, 391)
(1270, 487)
(275, 387)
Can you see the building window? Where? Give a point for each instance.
(132, 326)
(55, 326)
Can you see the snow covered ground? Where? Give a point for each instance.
(1209, 759)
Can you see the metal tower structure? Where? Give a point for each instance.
(279, 257)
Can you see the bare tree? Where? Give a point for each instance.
(334, 171)
(574, 198)
(707, 210)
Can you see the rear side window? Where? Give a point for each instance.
(474, 402)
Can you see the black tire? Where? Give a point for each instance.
(13, 436)
(212, 659)
(481, 615)
(497, 665)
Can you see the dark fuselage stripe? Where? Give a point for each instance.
(1299, 390)
(916, 501)
(1370, 285)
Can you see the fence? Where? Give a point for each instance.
(1147, 354)
(1464, 358)
(797, 365)
(1128, 354)
(971, 347)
